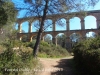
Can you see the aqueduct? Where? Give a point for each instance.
(68, 32)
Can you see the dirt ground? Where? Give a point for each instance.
(56, 66)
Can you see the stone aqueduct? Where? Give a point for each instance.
(68, 32)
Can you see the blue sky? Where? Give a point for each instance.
(90, 22)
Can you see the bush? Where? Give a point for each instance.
(87, 55)
(9, 60)
(30, 44)
(50, 50)
(12, 61)
(44, 44)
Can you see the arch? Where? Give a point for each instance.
(48, 25)
(48, 38)
(91, 34)
(90, 22)
(61, 39)
(48, 35)
(25, 26)
(75, 37)
(75, 23)
(35, 25)
(59, 34)
(60, 24)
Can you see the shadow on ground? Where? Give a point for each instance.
(65, 67)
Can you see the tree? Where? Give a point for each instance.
(3, 16)
(42, 8)
(7, 13)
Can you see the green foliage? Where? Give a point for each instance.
(10, 11)
(44, 44)
(8, 33)
(7, 13)
(9, 60)
(12, 43)
(16, 59)
(50, 50)
(3, 17)
(87, 55)
(30, 44)
(2, 48)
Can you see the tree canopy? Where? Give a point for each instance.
(36, 7)
(7, 12)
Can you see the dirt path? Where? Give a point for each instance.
(59, 66)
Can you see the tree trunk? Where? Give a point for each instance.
(36, 47)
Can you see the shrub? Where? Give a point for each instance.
(50, 50)
(12, 61)
(87, 55)
(30, 44)
(44, 44)
(9, 60)
(2, 48)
